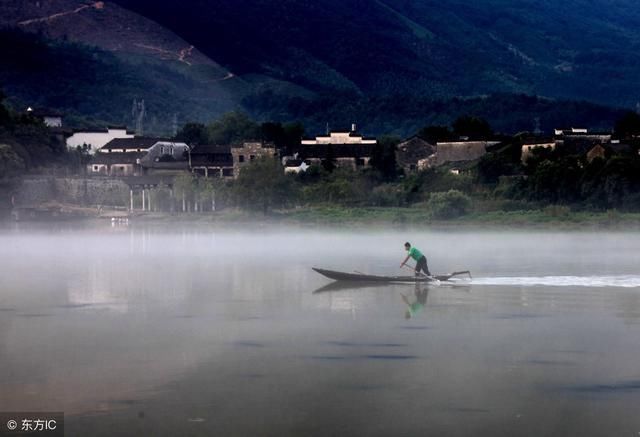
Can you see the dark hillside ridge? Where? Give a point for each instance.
(391, 66)
(580, 49)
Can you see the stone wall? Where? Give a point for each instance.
(79, 191)
(248, 152)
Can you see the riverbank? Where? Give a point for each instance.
(418, 217)
(556, 218)
(388, 217)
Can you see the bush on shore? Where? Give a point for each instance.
(448, 205)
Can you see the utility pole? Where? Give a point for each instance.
(138, 112)
(174, 124)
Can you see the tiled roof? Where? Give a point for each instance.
(132, 143)
(207, 149)
(117, 158)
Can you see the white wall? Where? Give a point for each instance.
(53, 121)
(339, 138)
(95, 139)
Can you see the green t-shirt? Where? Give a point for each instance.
(415, 253)
(415, 307)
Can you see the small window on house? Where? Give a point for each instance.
(240, 158)
(252, 157)
(95, 168)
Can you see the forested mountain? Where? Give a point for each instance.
(578, 49)
(390, 65)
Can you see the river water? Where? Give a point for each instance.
(155, 331)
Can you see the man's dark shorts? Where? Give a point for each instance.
(422, 265)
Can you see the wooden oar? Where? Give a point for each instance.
(433, 278)
(463, 272)
(451, 275)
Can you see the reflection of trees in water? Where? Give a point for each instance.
(115, 283)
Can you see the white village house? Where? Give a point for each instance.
(340, 137)
(49, 117)
(96, 139)
(346, 148)
(139, 155)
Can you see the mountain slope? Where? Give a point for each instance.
(93, 87)
(92, 59)
(390, 65)
(101, 24)
(579, 49)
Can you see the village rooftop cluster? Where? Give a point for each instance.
(146, 163)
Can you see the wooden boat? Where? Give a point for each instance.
(361, 277)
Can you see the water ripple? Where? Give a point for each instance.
(620, 387)
(355, 344)
(624, 281)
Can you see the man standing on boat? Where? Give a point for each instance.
(420, 259)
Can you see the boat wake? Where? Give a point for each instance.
(626, 281)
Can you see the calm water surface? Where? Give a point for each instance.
(210, 332)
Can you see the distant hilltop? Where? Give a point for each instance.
(392, 65)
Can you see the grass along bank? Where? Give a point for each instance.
(414, 217)
(417, 217)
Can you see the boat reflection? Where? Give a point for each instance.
(349, 285)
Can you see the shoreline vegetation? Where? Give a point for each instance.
(563, 187)
(550, 217)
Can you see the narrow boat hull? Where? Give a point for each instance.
(361, 277)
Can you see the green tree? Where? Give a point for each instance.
(11, 164)
(448, 205)
(272, 132)
(620, 179)
(286, 137)
(207, 194)
(475, 128)
(193, 134)
(5, 116)
(329, 161)
(433, 134)
(383, 157)
(233, 127)
(183, 186)
(493, 165)
(628, 125)
(263, 186)
(556, 181)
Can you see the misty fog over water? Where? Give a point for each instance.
(158, 331)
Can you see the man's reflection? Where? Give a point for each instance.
(415, 304)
